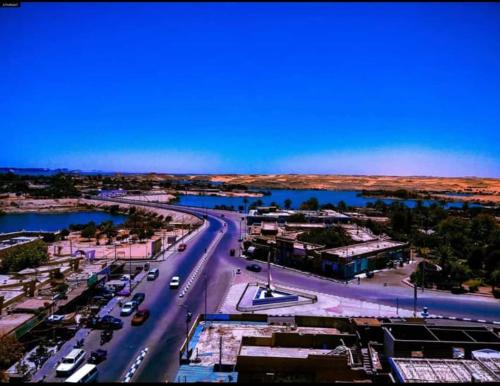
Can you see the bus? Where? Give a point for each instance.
(88, 373)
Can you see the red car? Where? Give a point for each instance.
(140, 317)
(182, 247)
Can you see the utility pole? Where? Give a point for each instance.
(130, 268)
(423, 273)
(206, 290)
(188, 319)
(220, 352)
(415, 300)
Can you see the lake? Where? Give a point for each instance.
(13, 222)
(350, 197)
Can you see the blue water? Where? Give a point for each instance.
(53, 221)
(350, 197)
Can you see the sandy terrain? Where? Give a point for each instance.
(483, 189)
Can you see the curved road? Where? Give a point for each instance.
(165, 330)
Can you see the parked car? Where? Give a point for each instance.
(254, 268)
(139, 297)
(153, 274)
(99, 300)
(175, 282)
(128, 308)
(232, 252)
(55, 318)
(182, 247)
(106, 322)
(70, 362)
(238, 271)
(370, 274)
(140, 317)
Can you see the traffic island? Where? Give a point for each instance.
(257, 296)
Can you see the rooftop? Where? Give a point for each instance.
(281, 352)
(363, 248)
(206, 340)
(443, 370)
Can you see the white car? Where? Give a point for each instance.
(55, 318)
(175, 282)
(71, 362)
(128, 308)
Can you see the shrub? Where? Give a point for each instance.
(24, 256)
(496, 293)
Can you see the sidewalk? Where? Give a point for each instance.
(407, 282)
(49, 366)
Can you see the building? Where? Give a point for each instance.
(420, 370)
(264, 214)
(440, 341)
(258, 348)
(298, 254)
(346, 262)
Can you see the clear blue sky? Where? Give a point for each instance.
(353, 88)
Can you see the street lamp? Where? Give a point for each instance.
(206, 290)
(189, 316)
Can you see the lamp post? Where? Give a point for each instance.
(206, 291)
(130, 268)
(189, 316)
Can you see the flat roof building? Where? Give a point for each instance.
(415, 370)
(350, 260)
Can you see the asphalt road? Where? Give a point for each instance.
(164, 332)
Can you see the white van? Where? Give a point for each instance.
(87, 374)
(71, 362)
(153, 274)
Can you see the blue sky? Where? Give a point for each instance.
(343, 88)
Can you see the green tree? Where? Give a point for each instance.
(24, 256)
(89, 231)
(288, 203)
(342, 206)
(330, 237)
(311, 204)
(64, 233)
(495, 278)
(10, 351)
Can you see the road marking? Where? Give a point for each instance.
(130, 373)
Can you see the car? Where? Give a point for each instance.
(139, 297)
(55, 318)
(109, 322)
(99, 300)
(97, 356)
(70, 362)
(128, 308)
(175, 282)
(254, 268)
(238, 271)
(140, 317)
(153, 274)
(370, 274)
(232, 252)
(182, 247)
